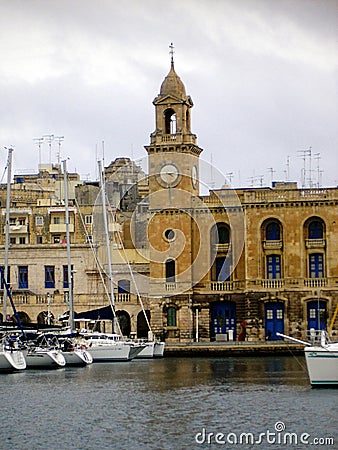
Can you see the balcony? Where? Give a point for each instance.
(275, 283)
(17, 229)
(222, 248)
(272, 245)
(315, 282)
(123, 297)
(60, 228)
(315, 243)
(224, 286)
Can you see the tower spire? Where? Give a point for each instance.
(171, 52)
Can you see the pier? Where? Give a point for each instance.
(216, 349)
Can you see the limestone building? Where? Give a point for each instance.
(231, 264)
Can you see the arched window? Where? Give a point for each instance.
(171, 316)
(272, 231)
(170, 270)
(315, 230)
(220, 234)
(170, 121)
(123, 287)
(223, 233)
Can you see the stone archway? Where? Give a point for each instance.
(142, 326)
(124, 322)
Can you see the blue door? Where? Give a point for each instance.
(223, 318)
(316, 264)
(273, 267)
(274, 320)
(316, 315)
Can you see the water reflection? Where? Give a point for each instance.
(159, 404)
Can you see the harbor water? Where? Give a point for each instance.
(172, 403)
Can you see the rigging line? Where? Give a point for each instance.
(3, 175)
(295, 356)
(130, 269)
(98, 264)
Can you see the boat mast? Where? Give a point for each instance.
(106, 231)
(70, 274)
(8, 203)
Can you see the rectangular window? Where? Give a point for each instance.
(21, 221)
(56, 220)
(316, 265)
(39, 239)
(49, 277)
(39, 221)
(273, 266)
(65, 277)
(22, 240)
(23, 277)
(12, 240)
(12, 221)
(171, 317)
(89, 238)
(88, 219)
(57, 239)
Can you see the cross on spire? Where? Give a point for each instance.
(171, 52)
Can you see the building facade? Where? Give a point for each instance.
(239, 264)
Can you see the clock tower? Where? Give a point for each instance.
(173, 153)
(173, 162)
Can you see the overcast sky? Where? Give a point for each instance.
(262, 75)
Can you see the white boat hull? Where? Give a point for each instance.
(77, 357)
(322, 365)
(159, 349)
(45, 359)
(12, 360)
(109, 352)
(147, 351)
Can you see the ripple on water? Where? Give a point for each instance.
(159, 404)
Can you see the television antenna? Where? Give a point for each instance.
(39, 142)
(49, 139)
(59, 140)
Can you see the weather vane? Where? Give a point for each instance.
(171, 46)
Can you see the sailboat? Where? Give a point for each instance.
(109, 347)
(11, 356)
(153, 348)
(321, 356)
(74, 353)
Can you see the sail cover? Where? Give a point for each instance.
(105, 313)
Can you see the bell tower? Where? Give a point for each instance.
(173, 152)
(173, 163)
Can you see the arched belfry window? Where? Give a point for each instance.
(315, 230)
(170, 270)
(273, 231)
(170, 121)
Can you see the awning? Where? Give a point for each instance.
(105, 313)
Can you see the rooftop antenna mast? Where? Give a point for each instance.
(59, 140)
(272, 171)
(288, 168)
(319, 172)
(304, 155)
(39, 142)
(49, 139)
(229, 176)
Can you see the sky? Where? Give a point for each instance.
(262, 75)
